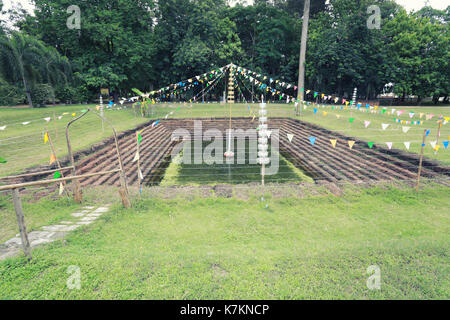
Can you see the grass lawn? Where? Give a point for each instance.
(23, 145)
(319, 246)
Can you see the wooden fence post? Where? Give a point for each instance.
(21, 223)
(421, 158)
(57, 161)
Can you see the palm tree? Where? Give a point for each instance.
(56, 68)
(21, 57)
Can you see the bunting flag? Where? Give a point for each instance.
(2, 160)
(428, 132)
(315, 110)
(312, 140)
(57, 175)
(351, 120)
(139, 137)
(389, 144)
(141, 176)
(351, 143)
(52, 158)
(437, 148)
(269, 132)
(338, 116)
(384, 126)
(405, 129)
(445, 143)
(136, 157)
(407, 145)
(370, 144)
(47, 119)
(333, 142)
(60, 117)
(25, 123)
(366, 123)
(73, 114)
(325, 113)
(433, 144)
(290, 137)
(61, 188)
(45, 137)
(2, 128)
(411, 115)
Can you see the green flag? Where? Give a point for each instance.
(3, 160)
(139, 138)
(370, 144)
(57, 175)
(351, 120)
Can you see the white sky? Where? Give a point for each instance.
(407, 4)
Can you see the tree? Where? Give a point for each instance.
(21, 56)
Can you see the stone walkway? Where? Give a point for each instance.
(88, 215)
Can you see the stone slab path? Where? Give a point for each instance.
(47, 234)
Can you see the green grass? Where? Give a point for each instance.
(23, 145)
(214, 248)
(180, 173)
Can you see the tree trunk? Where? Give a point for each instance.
(301, 66)
(27, 90)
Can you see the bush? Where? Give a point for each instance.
(41, 94)
(11, 95)
(65, 94)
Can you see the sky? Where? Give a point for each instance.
(407, 4)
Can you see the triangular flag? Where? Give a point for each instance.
(351, 120)
(333, 142)
(52, 158)
(312, 140)
(351, 143)
(445, 143)
(405, 129)
(407, 144)
(433, 144)
(57, 175)
(2, 128)
(269, 132)
(389, 144)
(366, 123)
(140, 175)
(25, 123)
(338, 116)
(370, 144)
(73, 114)
(45, 137)
(290, 136)
(411, 114)
(325, 113)
(61, 188)
(384, 126)
(139, 138)
(2, 160)
(136, 157)
(47, 119)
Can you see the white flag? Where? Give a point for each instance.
(389, 144)
(269, 133)
(47, 119)
(384, 126)
(433, 144)
(61, 188)
(136, 157)
(25, 123)
(140, 175)
(405, 129)
(2, 128)
(407, 144)
(290, 137)
(366, 123)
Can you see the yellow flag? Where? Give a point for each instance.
(347, 103)
(338, 116)
(325, 113)
(376, 107)
(73, 114)
(46, 137)
(52, 158)
(333, 142)
(421, 115)
(351, 143)
(97, 107)
(61, 188)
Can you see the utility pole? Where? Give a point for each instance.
(301, 65)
